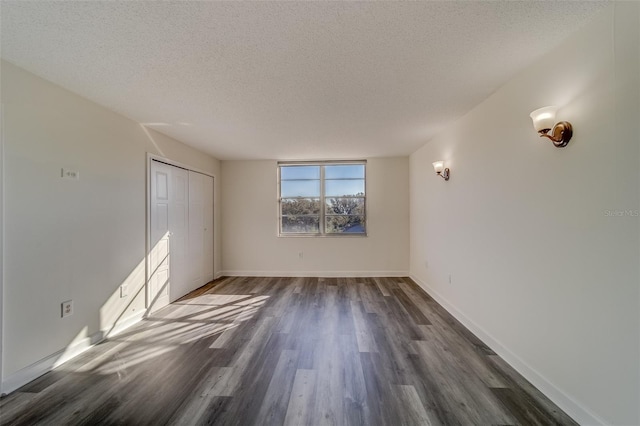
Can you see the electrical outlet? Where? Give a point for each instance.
(124, 291)
(426, 264)
(67, 308)
(70, 174)
(301, 255)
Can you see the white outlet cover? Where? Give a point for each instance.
(124, 291)
(67, 308)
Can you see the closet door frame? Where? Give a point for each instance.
(150, 158)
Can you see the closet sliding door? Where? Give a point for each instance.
(168, 228)
(200, 251)
(181, 233)
(208, 229)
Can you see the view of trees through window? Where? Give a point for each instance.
(322, 198)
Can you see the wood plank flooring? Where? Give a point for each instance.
(292, 351)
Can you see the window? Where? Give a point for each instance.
(325, 198)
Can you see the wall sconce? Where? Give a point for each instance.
(438, 166)
(544, 121)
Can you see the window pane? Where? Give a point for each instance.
(300, 224)
(322, 198)
(342, 205)
(349, 171)
(299, 172)
(344, 187)
(300, 206)
(345, 224)
(300, 188)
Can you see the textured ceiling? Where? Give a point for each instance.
(287, 80)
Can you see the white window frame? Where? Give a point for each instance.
(322, 216)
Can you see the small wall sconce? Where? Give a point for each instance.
(441, 171)
(544, 121)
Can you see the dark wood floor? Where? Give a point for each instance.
(295, 351)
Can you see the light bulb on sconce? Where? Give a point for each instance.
(544, 121)
(441, 171)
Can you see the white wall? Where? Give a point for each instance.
(539, 270)
(250, 216)
(1, 231)
(68, 239)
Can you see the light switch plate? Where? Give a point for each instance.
(70, 174)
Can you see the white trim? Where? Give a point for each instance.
(121, 326)
(37, 369)
(572, 407)
(147, 229)
(170, 162)
(2, 109)
(318, 274)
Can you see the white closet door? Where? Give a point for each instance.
(168, 269)
(158, 290)
(181, 257)
(200, 230)
(196, 230)
(208, 229)
(179, 234)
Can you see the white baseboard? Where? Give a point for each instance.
(318, 274)
(37, 369)
(573, 408)
(122, 325)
